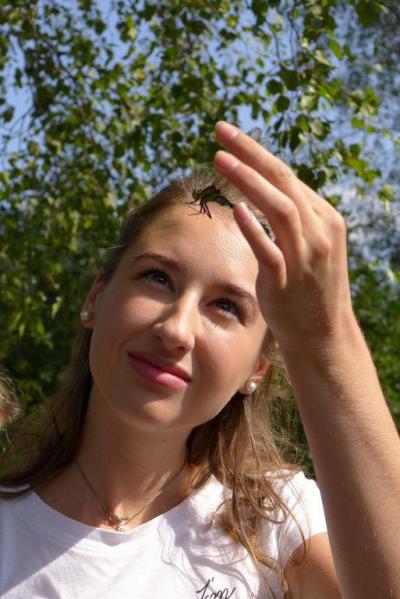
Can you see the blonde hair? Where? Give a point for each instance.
(9, 407)
(239, 446)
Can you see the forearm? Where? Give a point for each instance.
(356, 454)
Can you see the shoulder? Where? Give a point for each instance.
(296, 517)
(293, 490)
(297, 491)
(310, 574)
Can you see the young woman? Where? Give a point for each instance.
(156, 472)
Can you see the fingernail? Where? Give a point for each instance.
(225, 162)
(226, 129)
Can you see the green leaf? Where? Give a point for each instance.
(282, 103)
(321, 58)
(33, 148)
(318, 128)
(309, 102)
(260, 7)
(40, 328)
(274, 86)
(303, 123)
(387, 193)
(336, 49)
(8, 114)
(295, 138)
(290, 78)
(56, 305)
(357, 123)
(367, 12)
(99, 26)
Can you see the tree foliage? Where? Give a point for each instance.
(100, 103)
(375, 50)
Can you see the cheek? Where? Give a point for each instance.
(121, 317)
(240, 359)
(140, 311)
(227, 356)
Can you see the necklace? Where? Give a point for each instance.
(119, 523)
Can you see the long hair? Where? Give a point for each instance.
(9, 406)
(239, 446)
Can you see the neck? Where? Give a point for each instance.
(125, 467)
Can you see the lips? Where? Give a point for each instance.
(161, 364)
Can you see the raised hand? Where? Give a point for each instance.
(304, 292)
(303, 286)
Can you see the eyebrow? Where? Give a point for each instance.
(228, 288)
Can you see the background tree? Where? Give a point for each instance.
(102, 102)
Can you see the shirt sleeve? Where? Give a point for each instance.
(303, 498)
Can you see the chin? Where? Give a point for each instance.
(153, 415)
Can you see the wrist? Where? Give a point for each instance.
(337, 339)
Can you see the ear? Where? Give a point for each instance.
(92, 299)
(262, 368)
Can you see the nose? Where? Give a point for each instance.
(177, 325)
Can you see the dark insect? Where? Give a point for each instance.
(209, 194)
(213, 194)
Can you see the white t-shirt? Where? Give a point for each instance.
(44, 554)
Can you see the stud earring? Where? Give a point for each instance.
(85, 315)
(250, 387)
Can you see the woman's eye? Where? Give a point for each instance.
(155, 275)
(230, 307)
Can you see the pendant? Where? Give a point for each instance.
(117, 522)
(113, 519)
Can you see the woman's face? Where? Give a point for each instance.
(172, 304)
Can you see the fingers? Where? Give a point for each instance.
(269, 166)
(307, 228)
(266, 252)
(280, 211)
